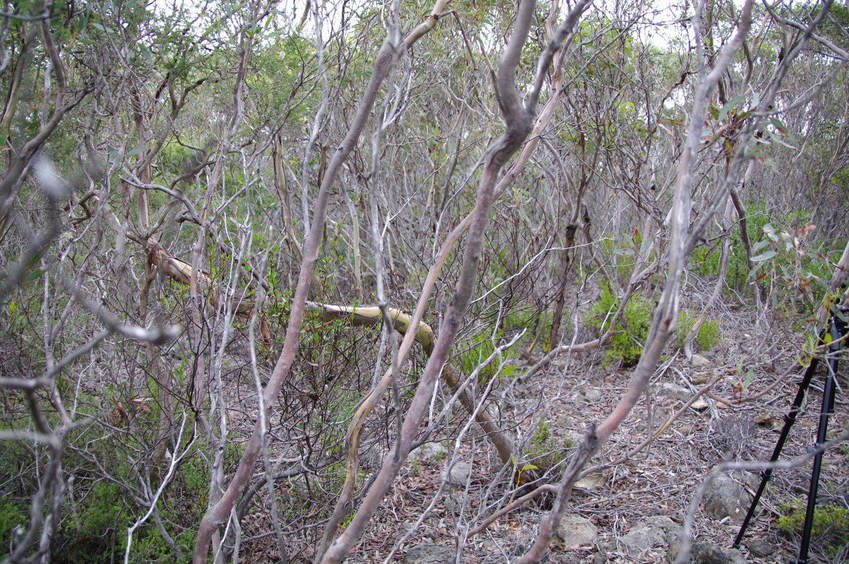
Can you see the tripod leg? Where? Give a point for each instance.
(825, 412)
(789, 419)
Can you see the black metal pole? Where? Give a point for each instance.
(789, 419)
(825, 412)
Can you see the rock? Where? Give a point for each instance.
(707, 553)
(593, 481)
(700, 404)
(574, 531)
(601, 556)
(592, 394)
(760, 548)
(674, 391)
(657, 531)
(726, 497)
(734, 435)
(680, 393)
(458, 474)
(429, 451)
(699, 361)
(429, 554)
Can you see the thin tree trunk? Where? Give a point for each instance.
(566, 264)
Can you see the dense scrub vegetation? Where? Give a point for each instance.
(188, 189)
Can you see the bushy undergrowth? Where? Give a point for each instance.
(707, 335)
(630, 332)
(12, 516)
(545, 449)
(483, 345)
(96, 529)
(789, 262)
(830, 527)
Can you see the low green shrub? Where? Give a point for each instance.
(621, 253)
(12, 516)
(544, 449)
(707, 336)
(830, 527)
(626, 344)
(787, 259)
(481, 346)
(96, 529)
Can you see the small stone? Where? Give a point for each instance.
(700, 404)
(429, 451)
(760, 548)
(657, 531)
(458, 474)
(574, 531)
(700, 361)
(592, 482)
(429, 554)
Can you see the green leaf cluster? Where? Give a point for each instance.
(545, 449)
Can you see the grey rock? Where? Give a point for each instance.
(574, 531)
(600, 556)
(699, 361)
(708, 553)
(674, 391)
(593, 481)
(761, 548)
(458, 474)
(429, 554)
(726, 497)
(592, 394)
(429, 451)
(657, 531)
